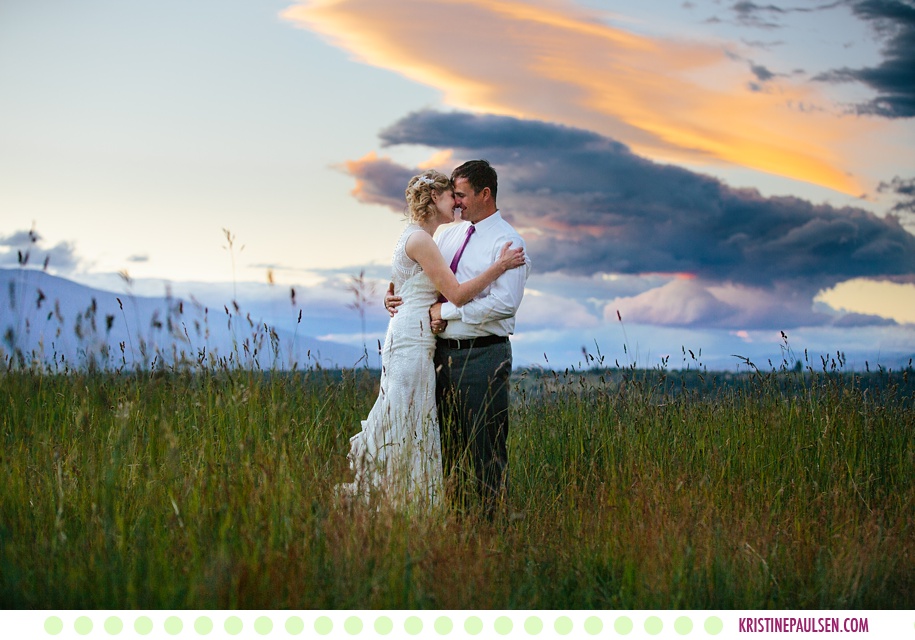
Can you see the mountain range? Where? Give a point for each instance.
(55, 323)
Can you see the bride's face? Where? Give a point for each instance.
(444, 202)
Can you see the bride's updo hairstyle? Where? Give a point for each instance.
(419, 194)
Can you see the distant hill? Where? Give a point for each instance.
(51, 321)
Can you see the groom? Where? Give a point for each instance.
(473, 356)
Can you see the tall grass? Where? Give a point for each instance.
(774, 493)
(628, 489)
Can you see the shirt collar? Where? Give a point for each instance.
(490, 222)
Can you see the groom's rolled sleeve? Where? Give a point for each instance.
(500, 301)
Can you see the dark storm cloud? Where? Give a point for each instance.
(436, 129)
(589, 205)
(894, 78)
(904, 192)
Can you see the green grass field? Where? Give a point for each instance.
(628, 489)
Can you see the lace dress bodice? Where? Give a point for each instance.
(413, 285)
(402, 266)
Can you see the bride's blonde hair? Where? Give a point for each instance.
(419, 194)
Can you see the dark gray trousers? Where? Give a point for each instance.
(472, 392)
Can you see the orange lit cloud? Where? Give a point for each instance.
(553, 61)
(443, 158)
(374, 176)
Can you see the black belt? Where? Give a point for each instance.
(467, 343)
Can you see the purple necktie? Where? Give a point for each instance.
(457, 256)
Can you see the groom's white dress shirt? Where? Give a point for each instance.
(493, 311)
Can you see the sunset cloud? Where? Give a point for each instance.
(588, 205)
(551, 60)
(378, 180)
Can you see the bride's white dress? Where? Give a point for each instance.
(398, 451)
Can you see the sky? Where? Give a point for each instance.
(697, 182)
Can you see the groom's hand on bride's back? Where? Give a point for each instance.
(391, 302)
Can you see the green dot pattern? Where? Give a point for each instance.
(353, 625)
(376, 626)
(53, 625)
(683, 625)
(233, 625)
(393, 624)
(533, 625)
(443, 625)
(384, 625)
(173, 625)
(714, 626)
(473, 625)
(83, 626)
(113, 626)
(143, 626)
(323, 626)
(413, 626)
(203, 625)
(295, 625)
(653, 625)
(263, 625)
(623, 625)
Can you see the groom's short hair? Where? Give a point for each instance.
(480, 174)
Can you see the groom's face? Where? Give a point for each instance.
(467, 200)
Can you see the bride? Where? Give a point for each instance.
(398, 451)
